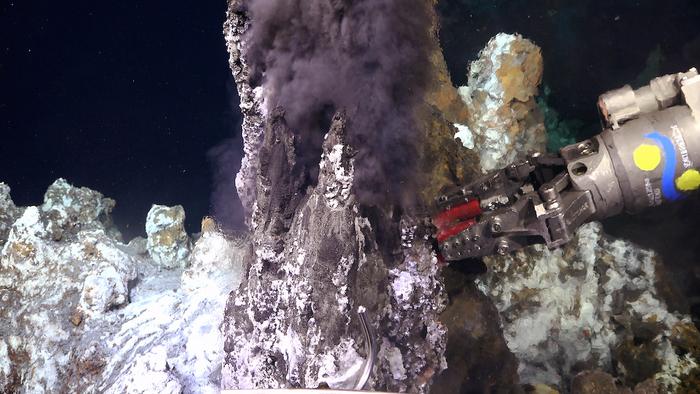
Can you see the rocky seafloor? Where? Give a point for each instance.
(82, 310)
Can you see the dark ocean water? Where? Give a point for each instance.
(125, 98)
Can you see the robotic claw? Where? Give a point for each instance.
(648, 154)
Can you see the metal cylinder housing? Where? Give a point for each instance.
(651, 158)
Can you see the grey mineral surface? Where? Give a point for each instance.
(294, 322)
(8, 213)
(251, 106)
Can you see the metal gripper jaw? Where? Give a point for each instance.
(647, 155)
(526, 203)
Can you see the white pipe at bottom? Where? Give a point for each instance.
(299, 391)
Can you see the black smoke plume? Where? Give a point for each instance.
(225, 204)
(368, 58)
(225, 161)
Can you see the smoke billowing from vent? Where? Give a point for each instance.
(227, 210)
(368, 58)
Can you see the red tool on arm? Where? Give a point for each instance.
(456, 219)
(648, 154)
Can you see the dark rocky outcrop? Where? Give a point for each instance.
(537, 317)
(321, 253)
(319, 257)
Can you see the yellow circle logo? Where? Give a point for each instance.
(690, 180)
(647, 157)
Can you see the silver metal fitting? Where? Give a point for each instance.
(496, 226)
(623, 104)
(502, 247)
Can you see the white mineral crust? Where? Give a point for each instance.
(500, 91)
(252, 104)
(8, 213)
(168, 243)
(85, 312)
(558, 307)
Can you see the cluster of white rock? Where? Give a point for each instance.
(80, 310)
(581, 304)
(504, 119)
(167, 242)
(8, 213)
(338, 190)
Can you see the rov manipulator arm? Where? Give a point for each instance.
(647, 154)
